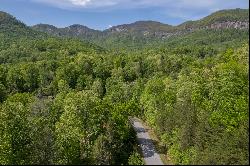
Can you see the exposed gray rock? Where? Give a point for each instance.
(229, 24)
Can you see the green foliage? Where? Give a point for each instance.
(211, 104)
(135, 159)
(65, 101)
(15, 130)
(3, 92)
(72, 134)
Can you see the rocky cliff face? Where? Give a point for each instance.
(221, 25)
(229, 24)
(216, 25)
(174, 31)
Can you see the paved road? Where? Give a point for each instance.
(151, 157)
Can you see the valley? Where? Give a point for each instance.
(66, 94)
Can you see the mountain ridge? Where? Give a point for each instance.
(134, 35)
(222, 19)
(217, 16)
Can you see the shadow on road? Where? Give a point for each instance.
(147, 147)
(140, 130)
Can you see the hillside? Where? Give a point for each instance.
(76, 31)
(231, 18)
(12, 27)
(142, 34)
(144, 28)
(19, 42)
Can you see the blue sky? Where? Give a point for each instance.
(101, 14)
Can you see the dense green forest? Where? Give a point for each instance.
(67, 101)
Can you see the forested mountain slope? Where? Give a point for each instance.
(67, 101)
(19, 42)
(13, 28)
(76, 30)
(150, 33)
(232, 18)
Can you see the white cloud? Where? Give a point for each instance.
(77, 3)
(185, 9)
(144, 3)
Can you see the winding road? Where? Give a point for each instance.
(151, 157)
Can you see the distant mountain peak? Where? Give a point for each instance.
(45, 26)
(149, 25)
(78, 26)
